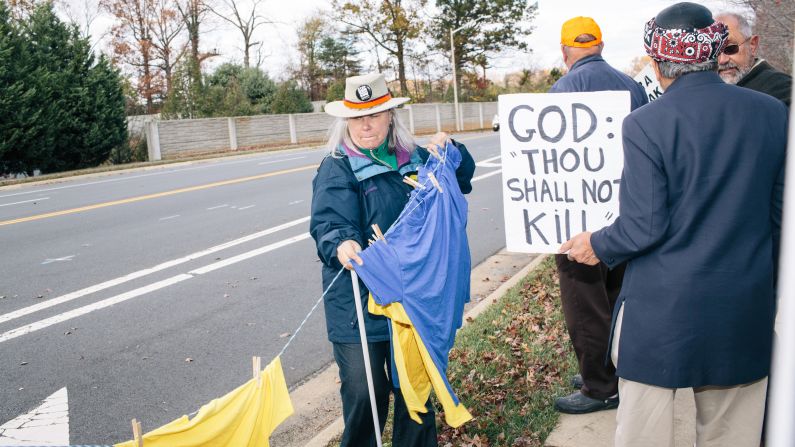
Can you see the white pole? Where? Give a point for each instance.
(455, 82)
(357, 296)
(780, 429)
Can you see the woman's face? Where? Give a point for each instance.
(368, 132)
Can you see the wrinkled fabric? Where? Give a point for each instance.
(245, 417)
(419, 278)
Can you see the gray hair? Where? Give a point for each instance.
(744, 25)
(400, 138)
(673, 70)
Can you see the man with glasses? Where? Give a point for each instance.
(739, 64)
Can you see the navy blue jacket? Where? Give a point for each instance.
(349, 194)
(700, 214)
(593, 74)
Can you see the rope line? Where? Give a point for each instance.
(301, 326)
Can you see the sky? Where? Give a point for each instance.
(621, 22)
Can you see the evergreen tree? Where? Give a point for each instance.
(290, 99)
(65, 111)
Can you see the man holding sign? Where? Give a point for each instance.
(700, 220)
(588, 293)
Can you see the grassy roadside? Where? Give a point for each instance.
(507, 367)
(510, 363)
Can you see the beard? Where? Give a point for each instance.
(735, 77)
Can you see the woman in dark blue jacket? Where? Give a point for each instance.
(358, 184)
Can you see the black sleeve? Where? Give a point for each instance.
(335, 209)
(465, 170)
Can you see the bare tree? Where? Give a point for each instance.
(310, 35)
(193, 13)
(132, 41)
(775, 25)
(167, 27)
(246, 23)
(83, 15)
(391, 24)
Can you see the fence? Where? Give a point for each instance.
(177, 138)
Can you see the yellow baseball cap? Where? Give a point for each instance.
(577, 26)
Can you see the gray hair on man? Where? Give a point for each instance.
(744, 25)
(673, 70)
(400, 138)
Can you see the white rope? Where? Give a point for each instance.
(301, 326)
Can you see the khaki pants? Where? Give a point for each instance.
(725, 416)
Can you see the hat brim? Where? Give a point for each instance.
(338, 108)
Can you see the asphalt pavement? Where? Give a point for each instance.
(144, 293)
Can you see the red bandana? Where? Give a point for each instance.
(685, 46)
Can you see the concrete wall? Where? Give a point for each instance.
(175, 138)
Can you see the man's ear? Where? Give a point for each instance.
(563, 52)
(754, 42)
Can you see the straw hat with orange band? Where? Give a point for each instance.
(364, 95)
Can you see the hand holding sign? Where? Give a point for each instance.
(562, 160)
(579, 249)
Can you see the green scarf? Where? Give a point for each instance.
(382, 155)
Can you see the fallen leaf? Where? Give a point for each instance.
(188, 360)
(23, 363)
(284, 335)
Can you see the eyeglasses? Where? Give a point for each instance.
(734, 48)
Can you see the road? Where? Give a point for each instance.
(145, 293)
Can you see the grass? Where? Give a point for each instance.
(510, 363)
(507, 367)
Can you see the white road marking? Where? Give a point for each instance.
(141, 273)
(487, 175)
(47, 322)
(246, 207)
(248, 254)
(169, 217)
(26, 201)
(62, 259)
(47, 424)
(487, 163)
(80, 311)
(26, 329)
(216, 207)
(279, 161)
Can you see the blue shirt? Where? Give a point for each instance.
(593, 74)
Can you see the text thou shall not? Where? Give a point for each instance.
(561, 165)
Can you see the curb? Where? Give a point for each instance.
(335, 428)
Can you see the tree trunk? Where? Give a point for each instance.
(404, 88)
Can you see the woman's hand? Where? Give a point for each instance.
(347, 251)
(439, 140)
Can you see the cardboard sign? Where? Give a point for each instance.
(561, 165)
(648, 80)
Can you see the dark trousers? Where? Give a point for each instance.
(588, 294)
(356, 410)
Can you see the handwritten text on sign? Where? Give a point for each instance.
(562, 162)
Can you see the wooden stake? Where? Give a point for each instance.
(435, 182)
(138, 439)
(410, 181)
(378, 232)
(256, 366)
